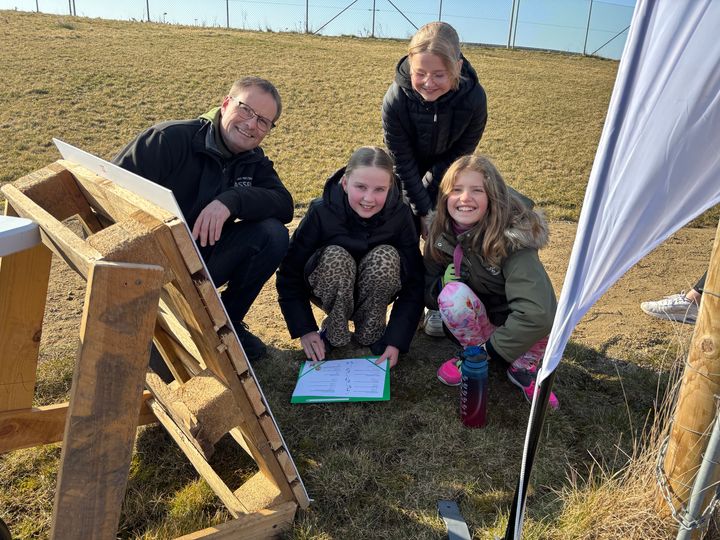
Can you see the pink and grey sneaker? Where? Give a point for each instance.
(522, 374)
(449, 372)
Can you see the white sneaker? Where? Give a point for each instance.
(433, 323)
(676, 308)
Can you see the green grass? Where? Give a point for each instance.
(374, 470)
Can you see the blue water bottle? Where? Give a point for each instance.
(474, 387)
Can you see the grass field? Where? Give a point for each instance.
(374, 470)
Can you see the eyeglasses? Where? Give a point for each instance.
(247, 113)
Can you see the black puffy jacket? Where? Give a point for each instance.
(331, 221)
(425, 137)
(183, 157)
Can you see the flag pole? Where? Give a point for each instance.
(535, 425)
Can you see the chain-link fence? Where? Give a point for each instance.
(578, 26)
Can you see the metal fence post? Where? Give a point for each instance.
(440, 12)
(372, 32)
(587, 29)
(147, 5)
(227, 13)
(517, 16)
(510, 28)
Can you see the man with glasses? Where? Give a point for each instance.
(232, 198)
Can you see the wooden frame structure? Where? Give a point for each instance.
(145, 282)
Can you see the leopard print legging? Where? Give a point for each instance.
(360, 294)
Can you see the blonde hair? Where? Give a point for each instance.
(487, 238)
(440, 39)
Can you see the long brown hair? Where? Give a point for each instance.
(487, 237)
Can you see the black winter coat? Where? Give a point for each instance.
(183, 157)
(425, 137)
(331, 221)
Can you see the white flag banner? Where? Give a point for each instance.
(658, 161)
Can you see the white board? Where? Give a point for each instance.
(143, 187)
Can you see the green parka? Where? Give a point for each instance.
(518, 295)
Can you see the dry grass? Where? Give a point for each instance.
(374, 470)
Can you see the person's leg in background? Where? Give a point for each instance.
(681, 307)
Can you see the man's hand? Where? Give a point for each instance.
(313, 346)
(391, 353)
(209, 223)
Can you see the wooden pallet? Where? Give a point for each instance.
(145, 282)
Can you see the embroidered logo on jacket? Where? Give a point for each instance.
(244, 181)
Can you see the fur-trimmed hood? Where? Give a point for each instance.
(529, 231)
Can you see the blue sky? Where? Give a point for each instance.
(550, 24)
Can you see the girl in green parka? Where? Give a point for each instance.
(484, 275)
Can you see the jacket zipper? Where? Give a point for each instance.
(434, 133)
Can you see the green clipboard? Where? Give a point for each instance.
(347, 380)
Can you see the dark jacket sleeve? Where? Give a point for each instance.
(150, 155)
(433, 280)
(466, 144)
(408, 306)
(293, 292)
(398, 142)
(266, 198)
(532, 304)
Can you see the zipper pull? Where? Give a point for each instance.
(435, 117)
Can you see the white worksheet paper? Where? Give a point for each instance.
(353, 379)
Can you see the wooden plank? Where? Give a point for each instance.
(175, 355)
(224, 493)
(287, 464)
(301, 495)
(48, 188)
(271, 432)
(108, 379)
(178, 331)
(109, 198)
(26, 428)
(236, 434)
(188, 307)
(253, 393)
(260, 525)
(90, 221)
(164, 396)
(54, 234)
(135, 239)
(24, 280)
(186, 246)
(210, 298)
(235, 352)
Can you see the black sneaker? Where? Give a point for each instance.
(253, 346)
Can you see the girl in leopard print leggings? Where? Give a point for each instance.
(354, 253)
